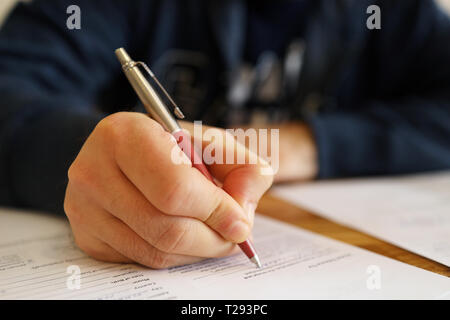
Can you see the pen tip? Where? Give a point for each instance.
(255, 260)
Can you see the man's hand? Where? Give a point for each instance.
(127, 201)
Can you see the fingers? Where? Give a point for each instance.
(171, 234)
(144, 154)
(115, 241)
(97, 249)
(128, 243)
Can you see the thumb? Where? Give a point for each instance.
(246, 184)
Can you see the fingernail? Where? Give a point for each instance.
(238, 231)
(249, 208)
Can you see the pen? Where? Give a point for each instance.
(160, 113)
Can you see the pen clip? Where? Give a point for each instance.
(176, 110)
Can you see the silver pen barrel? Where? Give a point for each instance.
(149, 98)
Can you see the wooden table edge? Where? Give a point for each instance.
(279, 209)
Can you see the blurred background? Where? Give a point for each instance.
(7, 5)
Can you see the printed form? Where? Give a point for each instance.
(38, 258)
(412, 212)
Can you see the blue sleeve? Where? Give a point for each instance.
(51, 79)
(408, 130)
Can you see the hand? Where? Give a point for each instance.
(127, 201)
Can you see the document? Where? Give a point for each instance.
(412, 212)
(39, 260)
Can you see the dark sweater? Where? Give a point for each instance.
(382, 96)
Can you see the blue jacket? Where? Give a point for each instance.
(382, 96)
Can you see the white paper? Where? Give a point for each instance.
(412, 212)
(36, 250)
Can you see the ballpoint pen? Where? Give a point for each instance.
(160, 113)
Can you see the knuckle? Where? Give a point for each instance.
(121, 128)
(69, 208)
(79, 175)
(112, 125)
(126, 130)
(74, 215)
(174, 237)
(159, 260)
(73, 173)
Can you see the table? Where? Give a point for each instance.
(279, 209)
